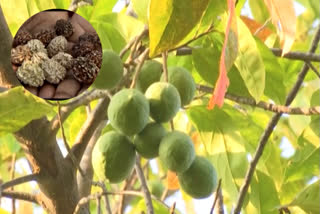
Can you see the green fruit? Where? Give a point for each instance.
(176, 151)
(111, 71)
(150, 73)
(128, 111)
(148, 140)
(183, 81)
(156, 188)
(200, 180)
(164, 101)
(113, 157)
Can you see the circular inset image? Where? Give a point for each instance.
(56, 54)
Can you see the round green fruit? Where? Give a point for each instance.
(176, 151)
(111, 71)
(200, 180)
(164, 101)
(156, 188)
(150, 73)
(148, 140)
(128, 111)
(183, 81)
(113, 157)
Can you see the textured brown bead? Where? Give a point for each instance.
(84, 70)
(20, 53)
(64, 28)
(95, 57)
(21, 38)
(82, 48)
(45, 36)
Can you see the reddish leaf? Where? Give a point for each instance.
(172, 180)
(284, 18)
(222, 84)
(263, 32)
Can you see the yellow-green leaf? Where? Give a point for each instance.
(18, 107)
(171, 20)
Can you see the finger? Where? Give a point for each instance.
(47, 91)
(68, 88)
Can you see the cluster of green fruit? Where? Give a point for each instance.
(129, 111)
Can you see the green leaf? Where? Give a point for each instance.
(315, 98)
(62, 4)
(15, 16)
(259, 10)
(43, 5)
(274, 87)
(308, 199)
(126, 25)
(99, 7)
(305, 166)
(223, 144)
(18, 107)
(249, 62)
(74, 123)
(171, 20)
(9, 145)
(206, 62)
(109, 36)
(141, 8)
(263, 195)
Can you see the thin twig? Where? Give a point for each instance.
(75, 4)
(262, 27)
(20, 180)
(98, 205)
(144, 187)
(173, 208)
(70, 153)
(13, 168)
(164, 194)
(216, 197)
(144, 56)
(164, 65)
(67, 108)
(20, 196)
(268, 131)
(133, 41)
(105, 197)
(314, 69)
(267, 106)
(85, 200)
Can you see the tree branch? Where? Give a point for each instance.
(20, 196)
(216, 198)
(144, 187)
(67, 108)
(266, 106)
(20, 180)
(314, 69)
(268, 131)
(7, 77)
(88, 128)
(296, 55)
(144, 55)
(277, 52)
